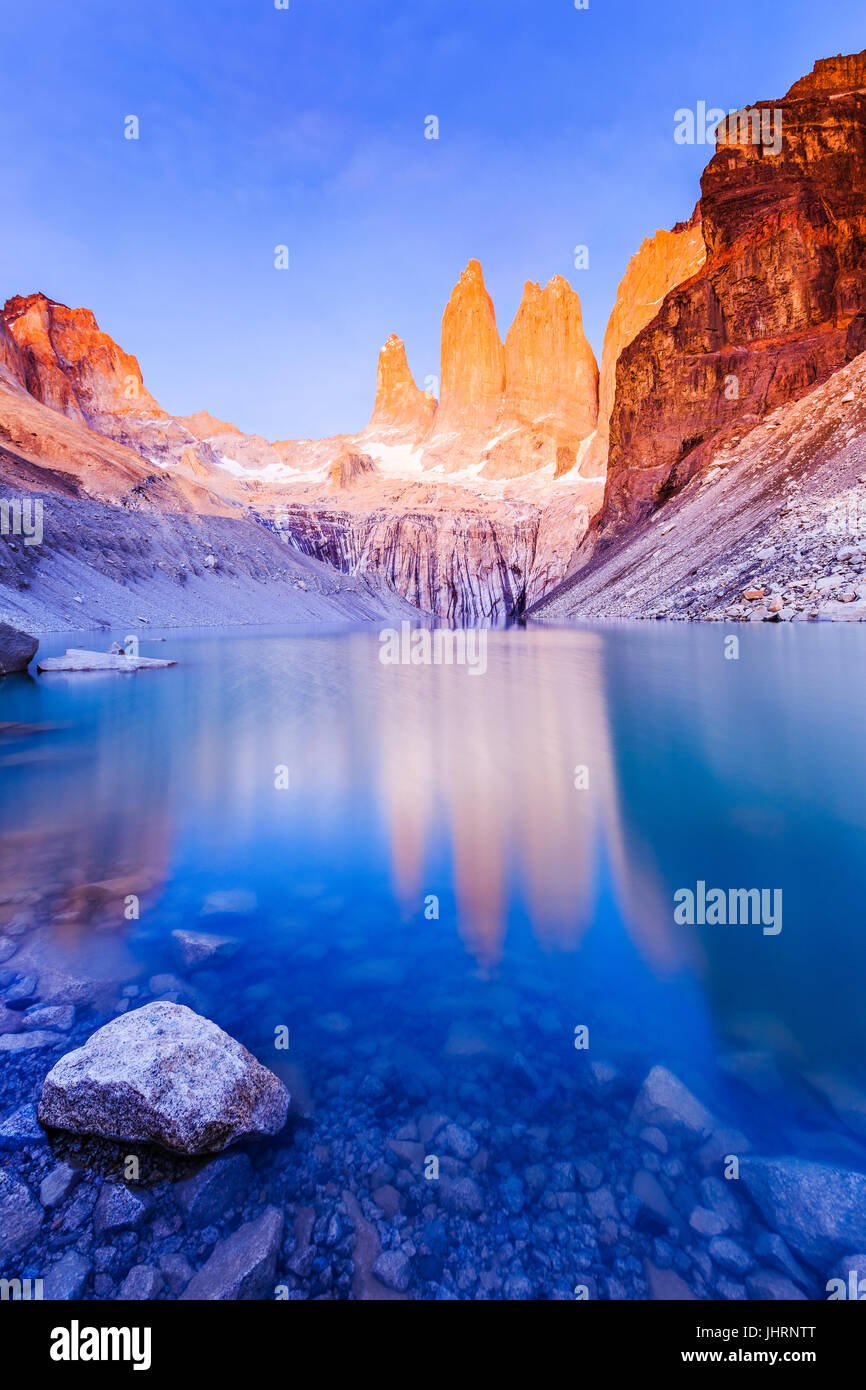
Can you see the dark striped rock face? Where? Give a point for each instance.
(166, 1075)
(779, 304)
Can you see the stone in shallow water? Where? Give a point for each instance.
(655, 1205)
(665, 1284)
(772, 1250)
(56, 1187)
(67, 1278)
(242, 1266)
(60, 1016)
(143, 1282)
(236, 901)
(456, 1140)
(712, 1155)
(731, 1256)
(21, 1127)
(20, 1216)
(223, 1183)
(665, 1102)
(392, 1267)
(820, 1211)
(176, 1271)
(198, 947)
(766, 1286)
(461, 1196)
(27, 1042)
(120, 1208)
(708, 1222)
(164, 1074)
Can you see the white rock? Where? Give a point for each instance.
(164, 1074)
(77, 659)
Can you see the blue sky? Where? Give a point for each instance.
(305, 127)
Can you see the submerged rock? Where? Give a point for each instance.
(17, 649)
(142, 1283)
(66, 1279)
(57, 1185)
(221, 1184)
(197, 947)
(820, 1211)
(243, 1266)
(767, 1286)
(664, 1101)
(164, 1074)
(392, 1267)
(120, 1208)
(20, 1216)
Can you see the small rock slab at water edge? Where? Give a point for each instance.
(76, 659)
(166, 1075)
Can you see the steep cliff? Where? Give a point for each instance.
(550, 403)
(778, 305)
(773, 531)
(467, 557)
(399, 405)
(65, 361)
(518, 408)
(662, 262)
(473, 358)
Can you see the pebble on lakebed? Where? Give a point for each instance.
(166, 1075)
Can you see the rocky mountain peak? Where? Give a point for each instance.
(473, 356)
(550, 367)
(399, 403)
(65, 361)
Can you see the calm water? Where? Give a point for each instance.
(555, 904)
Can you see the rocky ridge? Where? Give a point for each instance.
(774, 529)
(777, 306)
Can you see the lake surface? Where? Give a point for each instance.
(462, 871)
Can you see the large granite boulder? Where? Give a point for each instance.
(17, 649)
(164, 1074)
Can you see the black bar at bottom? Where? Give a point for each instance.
(203, 1338)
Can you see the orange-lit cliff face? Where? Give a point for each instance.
(512, 409)
(473, 357)
(662, 262)
(399, 404)
(777, 306)
(63, 359)
(499, 526)
(73, 403)
(550, 368)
